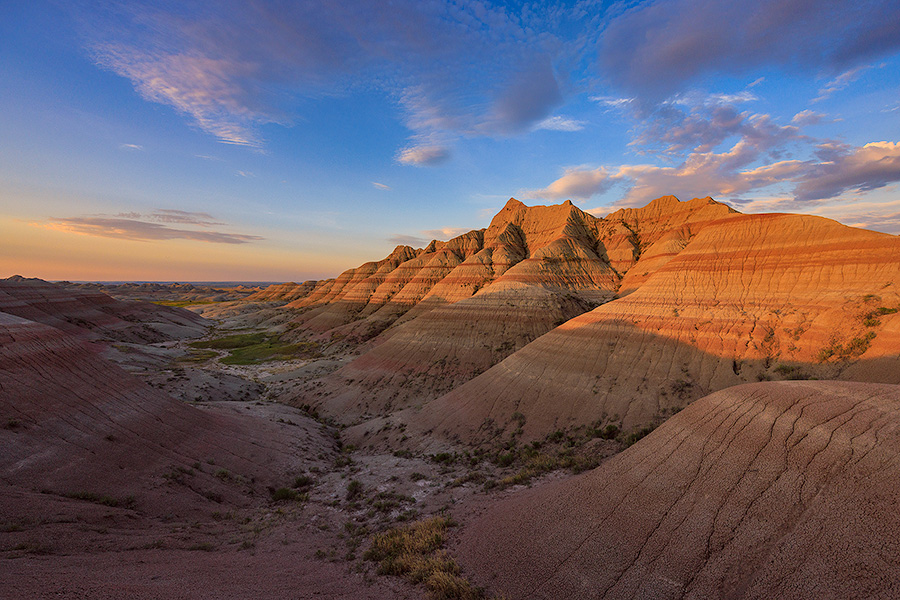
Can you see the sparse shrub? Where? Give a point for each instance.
(609, 432)
(505, 459)
(444, 457)
(303, 481)
(354, 489)
(284, 493)
(635, 436)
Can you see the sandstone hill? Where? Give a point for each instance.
(747, 298)
(573, 320)
(93, 315)
(456, 308)
(766, 490)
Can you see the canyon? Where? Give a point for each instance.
(672, 401)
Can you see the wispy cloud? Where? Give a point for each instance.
(445, 233)
(380, 186)
(612, 101)
(419, 241)
(560, 123)
(169, 215)
(807, 117)
(473, 68)
(130, 147)
(407, 240)
(423, 155)
(151, 227)
(840, 82)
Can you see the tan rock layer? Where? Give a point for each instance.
(749, 297)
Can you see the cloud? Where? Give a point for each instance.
(879, 216)
(129, 229)
(704, 127)
(380, 186)
(168, 215)
(416, 241)
(423, 156)
(528, 97)
(807, 117)
(468, 68)
(577, 182)
(245, 173)
(202, 87)
(656, 48)
(840, 82)
(407, 240)
(130, 147)
(612, 101)
(870, 167)
(151, 227)
(445, 233)
(560, 124)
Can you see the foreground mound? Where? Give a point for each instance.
(767, 490)
(74, 423)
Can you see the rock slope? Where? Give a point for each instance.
(459, 307)
(767, 490)
(74, 422)
(94, 315)
(747, 298)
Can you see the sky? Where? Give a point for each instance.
(277, 140)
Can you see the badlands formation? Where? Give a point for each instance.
(725, 384)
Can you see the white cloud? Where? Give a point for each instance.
(577, 182)
(130, 147)
(612, 101)
(420, 156)
(445, 233)
(380, 186)
(807, 117)
(560, 124)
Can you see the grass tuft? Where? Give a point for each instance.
(414, 553)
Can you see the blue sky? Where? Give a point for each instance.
(277, 140)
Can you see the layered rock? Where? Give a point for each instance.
(472, 302)
(95, 315)
(284, 292)
(748, 297)
(76, 423)
(767, 490)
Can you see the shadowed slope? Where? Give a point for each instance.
(768, 490)
(94, 315)
(75, 422)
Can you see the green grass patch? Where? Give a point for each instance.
(196, 356)
(253, 348)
